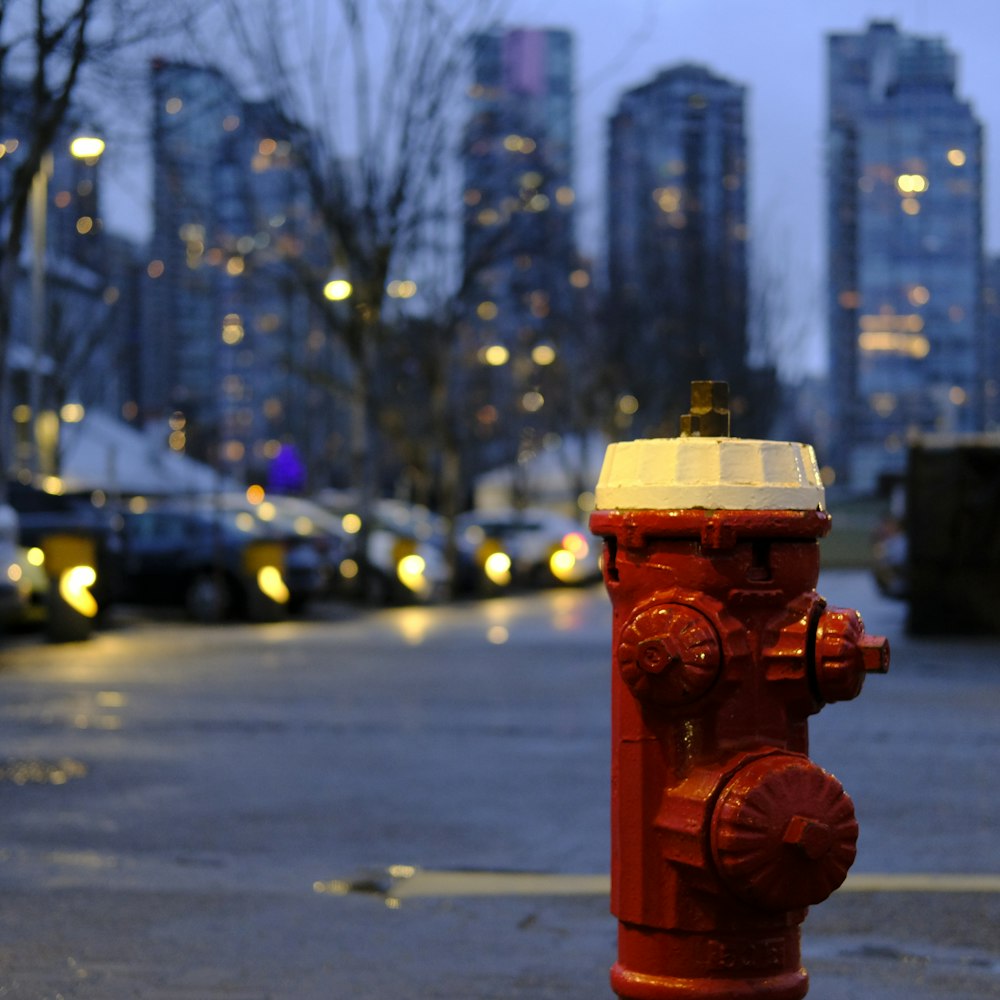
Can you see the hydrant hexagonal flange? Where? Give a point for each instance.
(723, 829)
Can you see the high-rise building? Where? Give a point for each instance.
(991, 334)
(677, 244)
(229, 350)
(904, 218)
(519, 251)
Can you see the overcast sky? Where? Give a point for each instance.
(776, 48)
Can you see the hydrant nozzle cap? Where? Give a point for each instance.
(715, 473)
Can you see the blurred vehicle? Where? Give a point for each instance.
(27, 572)
(315, 543)
(217, 564)
(405, 550)
(73, 539)
(15, 584)
(524, 548)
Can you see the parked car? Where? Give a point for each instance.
(405, 551)
(531, 547)
(14, 587)
(217, 564)
(315, 543)
(81, 525)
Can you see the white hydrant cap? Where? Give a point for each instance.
(716, 473)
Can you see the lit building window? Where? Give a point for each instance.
(532, 401)
(956, 157)
(401, 289)
(173, 105)
(883, 403)
(668, 198)
(912, 183)
(538, 303)
(495, 355)
(232, 329)
(911, 345)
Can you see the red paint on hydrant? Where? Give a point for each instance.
(723, 829)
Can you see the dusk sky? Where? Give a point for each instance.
(777, 49)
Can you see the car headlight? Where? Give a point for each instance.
(272, 584)
(496, 566)
(562, 562)
(410, 570)
(73, 589)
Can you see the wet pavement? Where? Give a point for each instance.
(414, 802)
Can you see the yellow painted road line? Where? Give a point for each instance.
(917, 882)
(424, 883)
(438, 883)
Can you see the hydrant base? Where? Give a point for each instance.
(629, 985)
(753, 964)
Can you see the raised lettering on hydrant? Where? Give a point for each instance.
(723, 830)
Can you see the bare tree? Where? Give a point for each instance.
(51, 53)
(375, 90)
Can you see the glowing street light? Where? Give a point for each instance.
(338, 289)
(86, 147)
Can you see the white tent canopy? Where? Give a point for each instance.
(103, 453)
(551, 478)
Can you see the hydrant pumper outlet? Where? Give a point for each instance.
(723, 830)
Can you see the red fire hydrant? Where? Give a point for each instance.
(723, 830)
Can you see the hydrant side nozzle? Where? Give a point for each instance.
(875, 654)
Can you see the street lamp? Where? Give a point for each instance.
(87, 148)
(337, 290)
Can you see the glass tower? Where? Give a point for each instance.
(519, 256)
(229, 340)
(677, 243)
(904, 226)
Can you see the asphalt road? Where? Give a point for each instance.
(414, 802)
